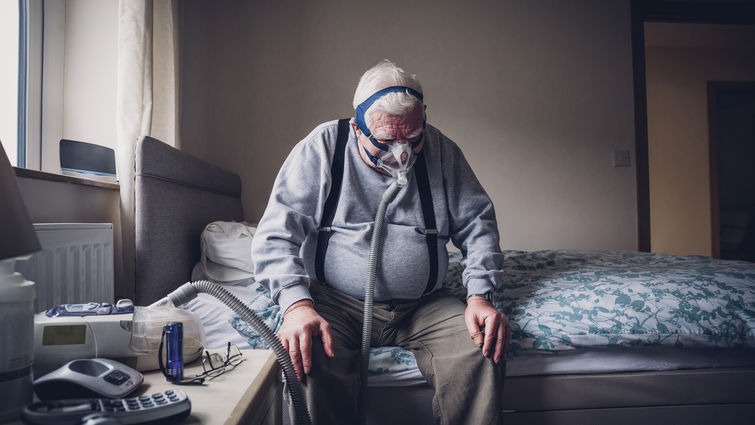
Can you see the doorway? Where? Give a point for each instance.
(731, 107)
(695, 230)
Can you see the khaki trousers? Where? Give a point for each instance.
(467, 385)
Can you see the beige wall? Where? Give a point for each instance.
(538, 94)
(678, 142)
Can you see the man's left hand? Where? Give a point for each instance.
(481, 316)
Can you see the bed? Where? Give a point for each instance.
(597, 336)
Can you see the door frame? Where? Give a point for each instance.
(665, 11)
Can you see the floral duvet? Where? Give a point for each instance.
(568, 300)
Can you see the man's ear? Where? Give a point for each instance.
(354, 124)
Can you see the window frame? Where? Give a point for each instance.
(29, 89)
(21, 100)
(36, 96)
(33, 101)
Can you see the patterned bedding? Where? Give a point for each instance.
(571, 300)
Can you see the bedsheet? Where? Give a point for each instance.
(570, 301)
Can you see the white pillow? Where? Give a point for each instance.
(226, 253)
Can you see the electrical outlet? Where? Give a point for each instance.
(621, 158)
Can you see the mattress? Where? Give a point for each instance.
(393, 366)
(574, 312)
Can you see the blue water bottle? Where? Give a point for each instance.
(174, 341)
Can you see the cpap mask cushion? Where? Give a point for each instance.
(398, 157)
(397, 160)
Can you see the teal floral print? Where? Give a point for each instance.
(569, 300)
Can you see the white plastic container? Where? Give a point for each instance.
(16, 340)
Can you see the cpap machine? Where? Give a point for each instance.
(77, 331)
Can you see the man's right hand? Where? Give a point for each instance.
(300, 323)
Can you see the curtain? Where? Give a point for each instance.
(147, 98)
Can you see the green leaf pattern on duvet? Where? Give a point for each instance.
(567, 300)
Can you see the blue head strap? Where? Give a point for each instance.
(364, 106)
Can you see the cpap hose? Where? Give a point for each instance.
(376, 248)
(189, 291)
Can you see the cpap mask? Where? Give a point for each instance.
(398, 157)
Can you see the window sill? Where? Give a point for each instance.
(41, 175)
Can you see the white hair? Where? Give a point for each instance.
(387, 74)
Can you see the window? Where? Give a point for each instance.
(9, 78)
(58, 77)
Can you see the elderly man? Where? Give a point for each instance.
(312, 245)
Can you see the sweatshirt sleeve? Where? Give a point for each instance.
(293, 211)
(472, 223)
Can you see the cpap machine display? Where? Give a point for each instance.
(121, 332)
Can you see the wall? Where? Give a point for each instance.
(59, 202)
(680, 60)
(538, 94)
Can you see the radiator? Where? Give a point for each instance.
(75, 264)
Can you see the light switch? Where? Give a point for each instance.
(621, 158)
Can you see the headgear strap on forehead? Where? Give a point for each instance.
(364, 106)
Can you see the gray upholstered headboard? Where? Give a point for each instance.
(177, 195)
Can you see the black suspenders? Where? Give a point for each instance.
(329, 210)
(331, 203)
(428, 212)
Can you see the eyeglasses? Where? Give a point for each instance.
(216, 364)
(213, 365)
(385, 144)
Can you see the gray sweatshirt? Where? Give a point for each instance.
(285, 242)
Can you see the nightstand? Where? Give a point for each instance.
(250, 394)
